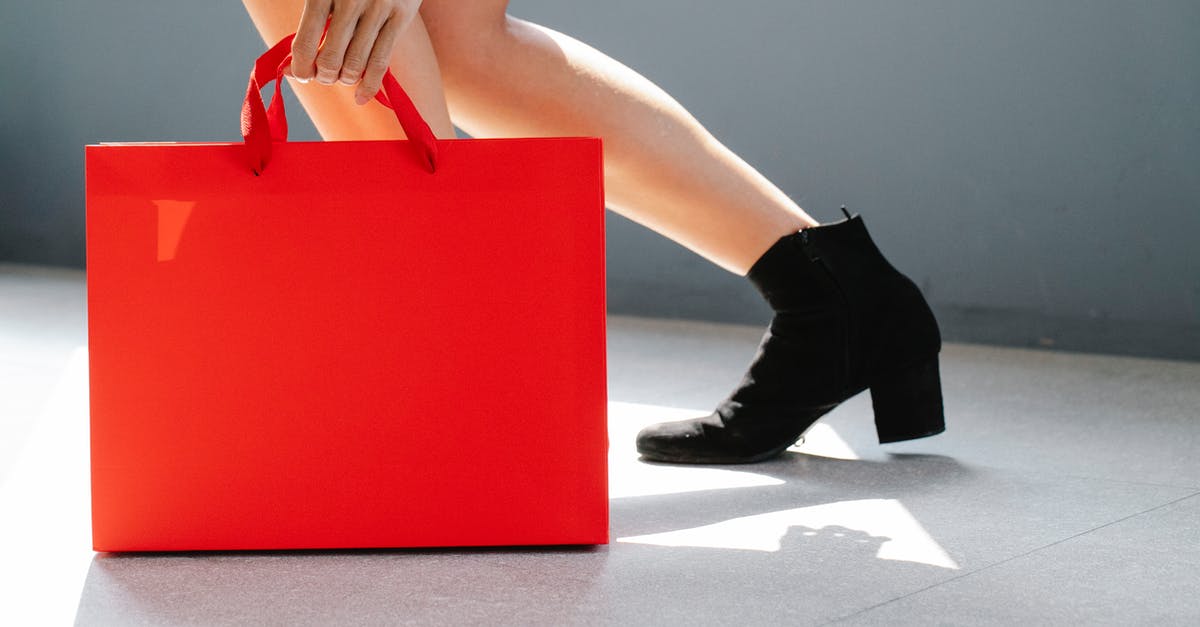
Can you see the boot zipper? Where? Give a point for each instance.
(806, 246)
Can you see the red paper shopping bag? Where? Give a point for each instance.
(346, 344)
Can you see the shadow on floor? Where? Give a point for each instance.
(784, 552)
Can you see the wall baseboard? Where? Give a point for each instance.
(1159, 340)
(973, 325)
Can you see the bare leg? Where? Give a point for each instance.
(508, 77)
(332, 107)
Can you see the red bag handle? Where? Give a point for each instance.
(262, 126)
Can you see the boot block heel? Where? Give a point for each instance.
(908, 402)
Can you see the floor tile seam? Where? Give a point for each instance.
(1006, 560)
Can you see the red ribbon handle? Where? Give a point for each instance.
(261, 126)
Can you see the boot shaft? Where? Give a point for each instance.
(884, 321)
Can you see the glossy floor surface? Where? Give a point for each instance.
(1066, 490)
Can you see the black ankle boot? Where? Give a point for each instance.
(845, 320)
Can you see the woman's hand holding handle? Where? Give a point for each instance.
(358, 45)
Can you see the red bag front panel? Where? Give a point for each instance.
(349, 350)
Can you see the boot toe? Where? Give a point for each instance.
(707, 441)
(670, 441)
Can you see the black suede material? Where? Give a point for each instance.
(890, 323)
(844, 319)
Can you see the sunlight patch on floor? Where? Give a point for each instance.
(883, 525)
(48, 490)
(821, 440)
(628, 477)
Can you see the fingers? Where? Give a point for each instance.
(377, 62)
(333, 51)
(308, 38)
(358, 43)
(359, 49)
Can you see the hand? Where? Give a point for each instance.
(358, 45)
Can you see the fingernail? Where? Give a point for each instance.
(326, 77)
(300, 80)
(361, 99)
(346, 80)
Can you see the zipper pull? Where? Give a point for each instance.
(806, 246)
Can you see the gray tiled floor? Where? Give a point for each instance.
(1065, 491)
(1138, 570)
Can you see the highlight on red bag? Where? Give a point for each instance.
(416, 359)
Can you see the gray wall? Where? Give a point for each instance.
(1031, 164)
